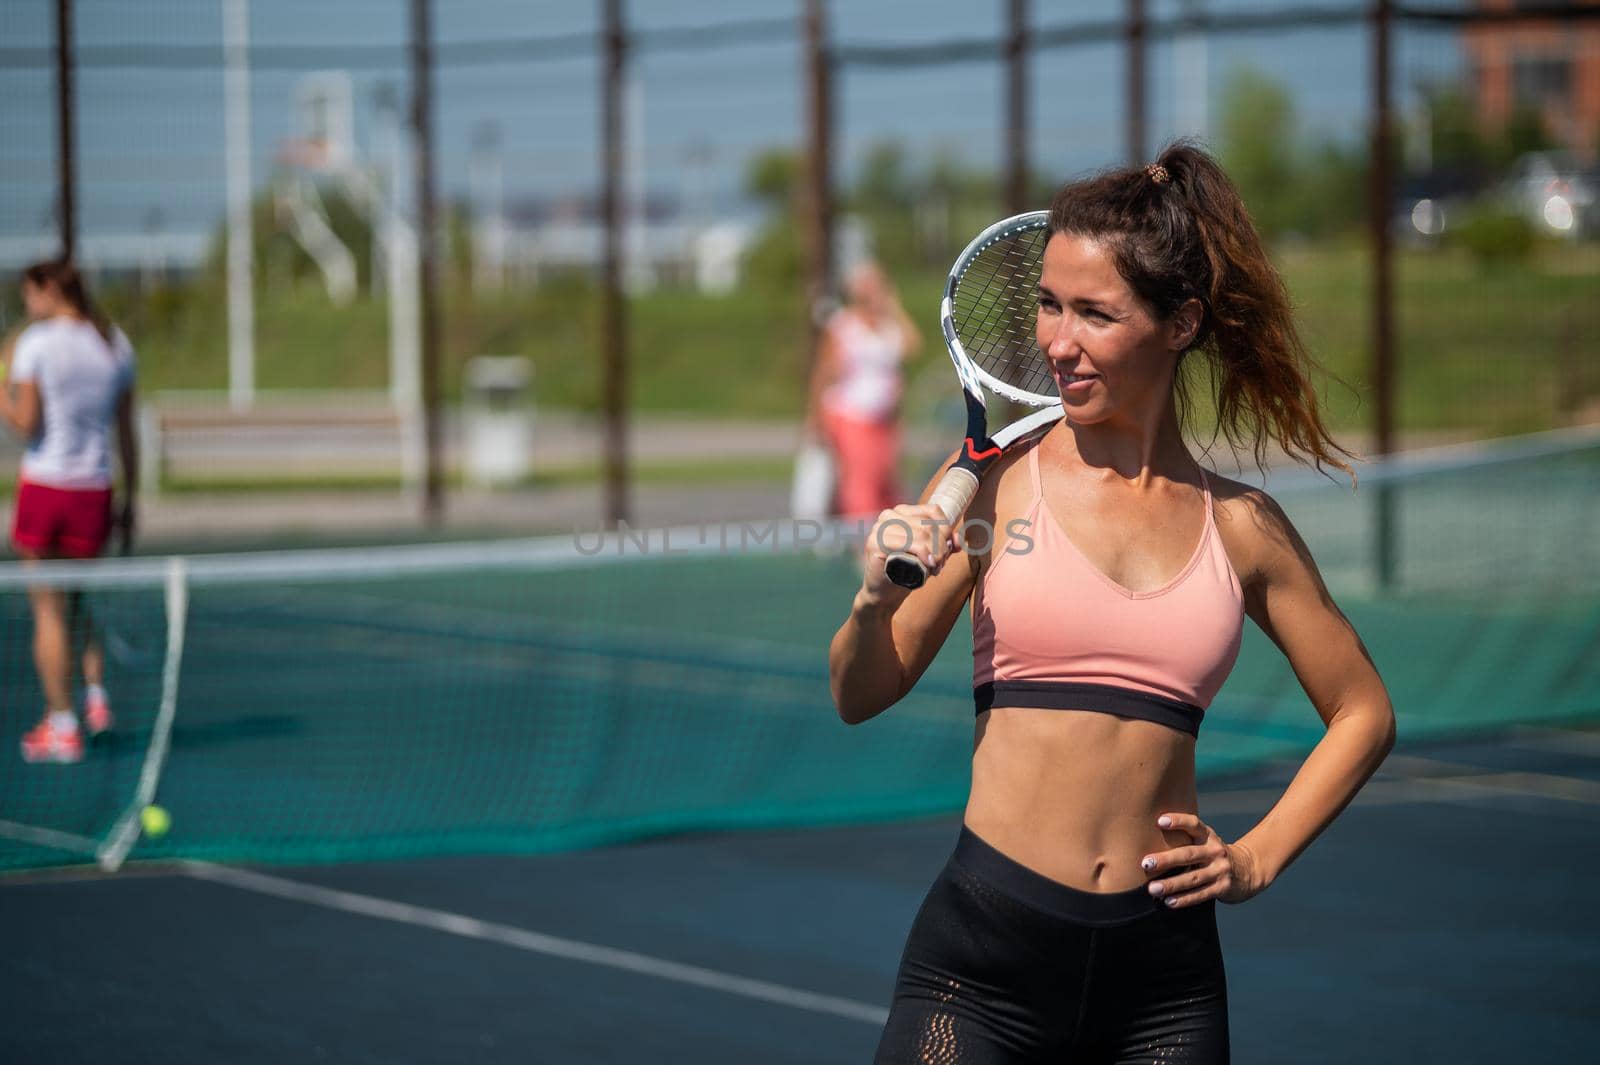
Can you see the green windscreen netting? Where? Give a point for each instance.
(533, 695)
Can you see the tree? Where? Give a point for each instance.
(1291, 185)
(773, 177)
(1258, 147)
(885, 195)
(1458, 140)
(775, 259)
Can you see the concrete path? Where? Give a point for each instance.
(562, 441)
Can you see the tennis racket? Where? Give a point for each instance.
(987, 317)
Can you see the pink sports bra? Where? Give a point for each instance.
(1051, 631)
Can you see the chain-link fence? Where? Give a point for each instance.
(299, 116)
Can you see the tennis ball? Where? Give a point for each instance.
(155, 820)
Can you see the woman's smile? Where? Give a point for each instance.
(1075, 384)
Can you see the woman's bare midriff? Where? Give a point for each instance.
(1074, 795)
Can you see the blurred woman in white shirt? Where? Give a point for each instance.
(855, 391)
(68, 380)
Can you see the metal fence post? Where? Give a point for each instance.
(66, 134)
(1381, 178)
(613, 307)
(818, 200)
(427, 257)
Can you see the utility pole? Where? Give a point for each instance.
(1191, 61)
(1381, 184)
(427, 257)
(613, 307)
(241, 240)
(817, 205)
(1137, 110)
(1016, 124)
(66, 134)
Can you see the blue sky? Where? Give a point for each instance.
(151, 140)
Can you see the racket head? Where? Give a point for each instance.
(989, 316)
(990, 309)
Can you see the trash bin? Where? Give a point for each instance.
(498, 413)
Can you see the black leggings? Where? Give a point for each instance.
(1004, 965)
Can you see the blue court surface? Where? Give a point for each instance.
(1441, 919)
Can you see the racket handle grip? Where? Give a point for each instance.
(952, 496)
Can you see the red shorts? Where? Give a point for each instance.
(867, 454)
(61, 522)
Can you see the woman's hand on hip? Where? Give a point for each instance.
(1205, 868)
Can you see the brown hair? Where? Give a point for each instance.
(1177, 231)
(69, 282)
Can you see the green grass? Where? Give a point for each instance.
(740, 354)
(1495, 350)
(1490, 351)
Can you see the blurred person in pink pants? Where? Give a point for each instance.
(855, 391)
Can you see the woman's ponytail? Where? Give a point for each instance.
(1179, 231)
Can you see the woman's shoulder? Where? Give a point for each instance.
(1242, 500)
(1006, 488)
(60, 327)
(39, 338)
(854, 322)
(842, 317)
(121, 346)
(40, 329)
(31, 343)
(1255, 529)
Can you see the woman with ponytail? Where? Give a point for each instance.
(1075, 921)
(68, 379)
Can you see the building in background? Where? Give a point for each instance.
(663, 244)
(1546, 68)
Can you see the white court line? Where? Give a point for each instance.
(1560, 740)
(47, 837)
(1539, 785)
(1412, 789)
(1545, 785)
(535, 942)
(125, 833)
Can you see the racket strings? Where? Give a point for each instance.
(994, 310)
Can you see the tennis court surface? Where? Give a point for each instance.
(587, 801)
(1441, 919)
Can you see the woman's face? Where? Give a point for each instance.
(38, 300)
(867, 288)
(1108, 352)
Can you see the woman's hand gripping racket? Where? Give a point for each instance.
(987, 316)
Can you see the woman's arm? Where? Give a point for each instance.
(891, 635)
(1286, 598)
(1292, 606)
(20, 408)
(128, 448)
(910, 337)
(824, 371)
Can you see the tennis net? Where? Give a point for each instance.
(521, 696)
